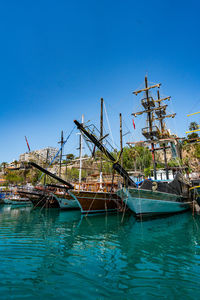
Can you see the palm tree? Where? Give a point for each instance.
(194, 135)
(193, 126)
(4, 164)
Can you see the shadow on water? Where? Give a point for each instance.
(53, 253)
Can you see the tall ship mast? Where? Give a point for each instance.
(156, 131)
(151, 198)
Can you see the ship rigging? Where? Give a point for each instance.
(156, 113)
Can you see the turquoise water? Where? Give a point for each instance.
(53, 254)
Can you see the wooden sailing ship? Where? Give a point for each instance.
(101, 198)
(51, 195)
(152, 198)
(65, 197)
(98, 196)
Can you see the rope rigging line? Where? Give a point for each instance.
(138, 107)
(105, 158)
(194, 106)
(108, 123)
(58, 152)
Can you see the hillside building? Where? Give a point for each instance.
(40, 155)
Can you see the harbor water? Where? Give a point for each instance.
(52, 254)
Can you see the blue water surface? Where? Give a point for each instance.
(52, 254)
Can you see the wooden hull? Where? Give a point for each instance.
(40, 199)
(152, 203)
(52, 200)
(97, 202)
(88, 202)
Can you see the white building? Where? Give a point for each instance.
(161, 175)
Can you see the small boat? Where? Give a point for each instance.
(167, 198)
(4, 193)
(16, 200)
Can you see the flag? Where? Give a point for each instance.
(133, 124)
(27, 144)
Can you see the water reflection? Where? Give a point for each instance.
(137, 257)
(52, 253)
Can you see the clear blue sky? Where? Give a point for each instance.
(58, 58)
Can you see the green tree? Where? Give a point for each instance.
(137, 157)
(98, 153)
(107, 168)
(15, 162)
(147, 172)
(13, 177)
(73, 174)
(175, 162)
(193, 126)
(197, 151)
(70, 157)
(3, 166)
(194, 135)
